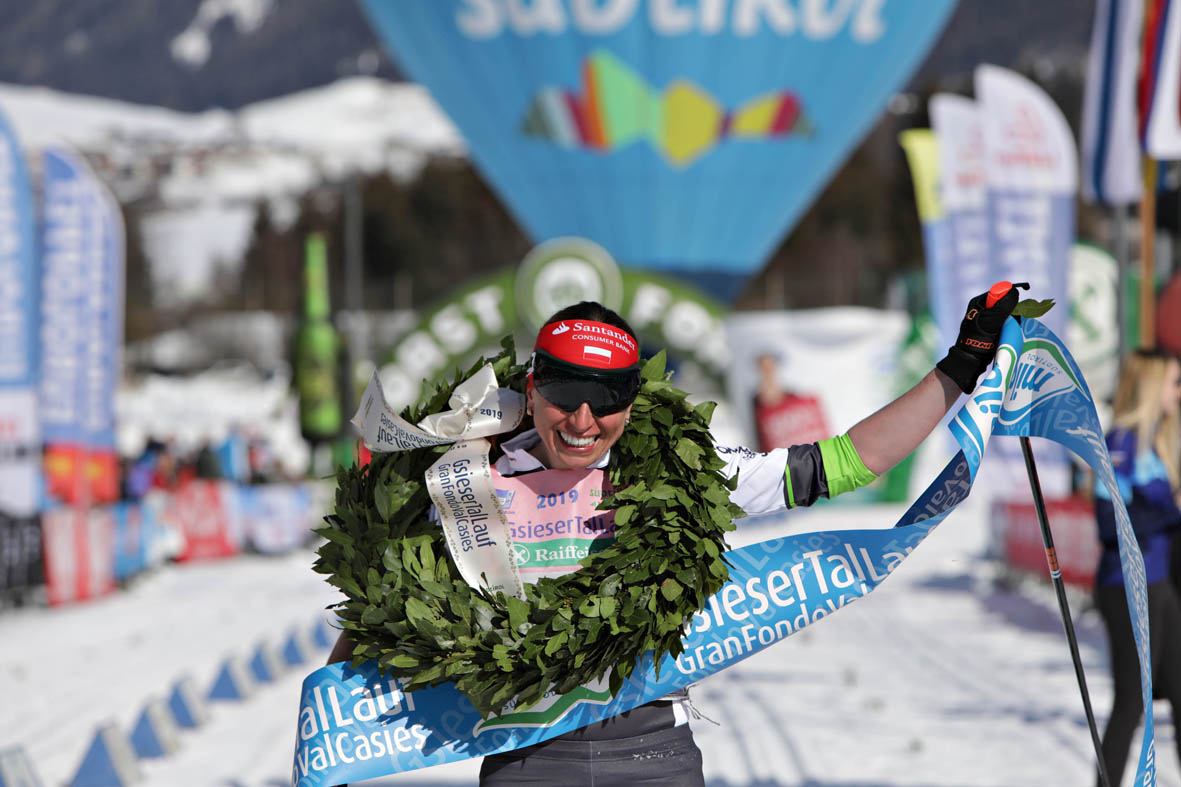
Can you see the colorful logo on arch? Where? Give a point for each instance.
(617, 107)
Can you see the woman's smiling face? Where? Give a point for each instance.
(573, 440)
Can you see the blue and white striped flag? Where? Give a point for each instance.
(1110, 149)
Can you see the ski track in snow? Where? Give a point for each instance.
(938, 678)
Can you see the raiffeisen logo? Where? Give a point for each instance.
(1042, 373)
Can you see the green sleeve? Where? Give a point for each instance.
(843, 467)
(823, 469)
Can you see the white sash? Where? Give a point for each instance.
(460, 482)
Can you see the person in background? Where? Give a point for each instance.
(1145, 447)
(784, 418)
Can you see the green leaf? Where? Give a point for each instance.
(518, 613)
(373, 616)
(555, 643)
(671, 589)
(384, 501)
(705, 411)
(335, 536)
(417, 610)
(389, 558)
(654, 367)
(663, 492)
(1032, 308)
(610, 585)
(689, 452)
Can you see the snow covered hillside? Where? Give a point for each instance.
(202, 175)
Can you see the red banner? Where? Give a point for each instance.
(198, 509)
(62, 479)
(1076, 542)
(79, 553)
(793, 420)
(101, 470)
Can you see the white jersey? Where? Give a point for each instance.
(760, 476)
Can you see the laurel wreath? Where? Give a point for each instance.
(408, 608)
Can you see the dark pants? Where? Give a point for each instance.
(664, 758)
(1164, 625)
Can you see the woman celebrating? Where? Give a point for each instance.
(1145, 447)
(583, 380)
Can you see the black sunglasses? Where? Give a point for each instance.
(567, 386)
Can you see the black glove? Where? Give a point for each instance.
(980, 329)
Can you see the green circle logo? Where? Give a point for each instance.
(562, 272)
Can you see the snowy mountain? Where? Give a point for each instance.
(196, 54)
(200, 176)
(186, 54)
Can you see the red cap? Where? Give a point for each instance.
(996, 292)
(587, 343)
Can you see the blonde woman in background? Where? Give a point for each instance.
(1145, 447)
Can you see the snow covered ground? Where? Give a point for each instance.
(939, 677)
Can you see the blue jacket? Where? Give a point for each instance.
(1144, 486)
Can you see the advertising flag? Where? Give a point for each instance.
(1110, 148)
(20, 439)
(317, 351)
(959, 135)
(681, 137)
(81, 316)
(1030, 165)
(20, 465)
(1160, 80)
(922, 153)
(103, 359)
(1031, 175)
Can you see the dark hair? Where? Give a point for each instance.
(592, 310)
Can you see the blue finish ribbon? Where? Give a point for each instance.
(355, 724)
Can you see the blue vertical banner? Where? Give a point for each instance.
(71, 257)
(19, 433)
(1160, 113)
(683, 137)
(1111, 148)
(18, 267)
(957, 126)
(1031, 170)
(922, 153)
(104, 317)
(103, 359)
(20, 437)
(1031, 174)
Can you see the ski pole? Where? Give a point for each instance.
(1039, 504)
